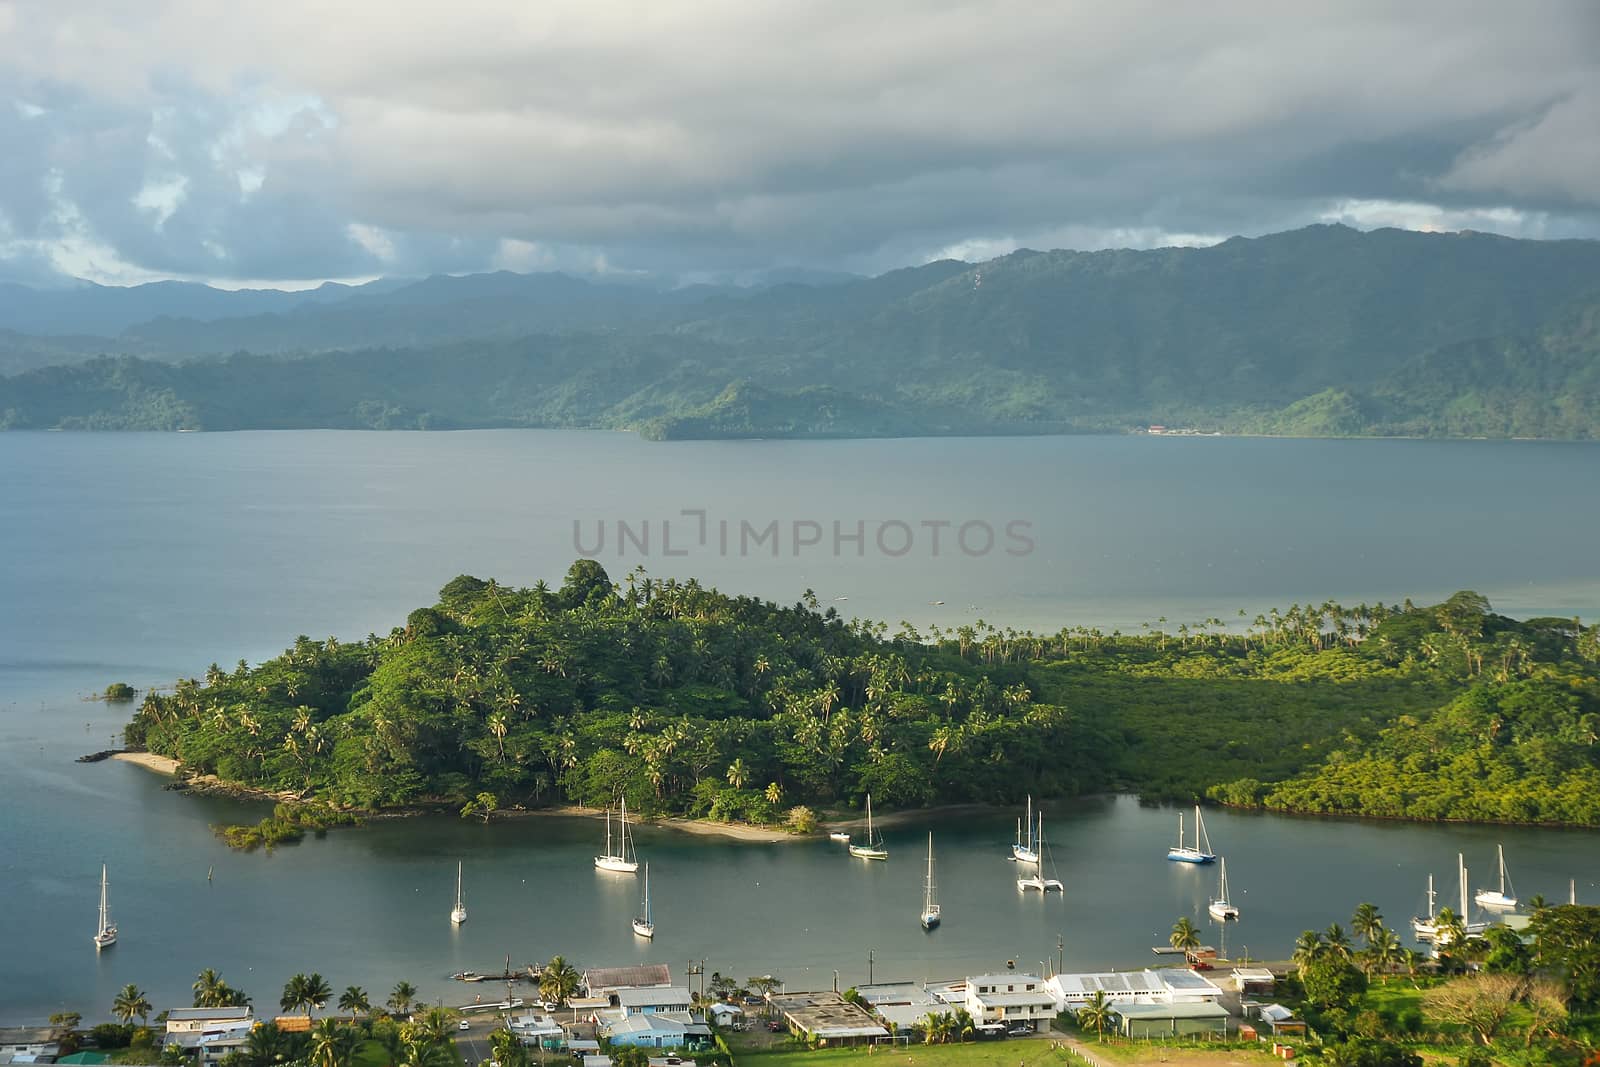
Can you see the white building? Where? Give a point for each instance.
(1012, 999)
(1173, 985)
(214, 1032)
(28, 1044)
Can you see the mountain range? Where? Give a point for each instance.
(1325, 330)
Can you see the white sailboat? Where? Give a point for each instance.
(106, 935)
(458, 914)
(873, 849)
(1498, 898)
(931, 916)
(1038, 880)
(1220, 907)
(645, 925)
(1025, 850)
(620, 860)
(1200, 851)
(1425, 927)
(1470, 927)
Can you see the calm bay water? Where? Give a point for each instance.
(143, 557)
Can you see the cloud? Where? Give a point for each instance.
(726, 135)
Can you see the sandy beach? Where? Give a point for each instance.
(149, 761)
(702, 827)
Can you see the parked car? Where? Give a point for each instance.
(1020, 1031)
(775, 1026)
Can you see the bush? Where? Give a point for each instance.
(120, 691)
(111, 1035)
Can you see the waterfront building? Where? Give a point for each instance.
(1015, 1000)
(660, 1030)
(652, 999)
(28, 1044)
(1189, 1019)
(1168, 985)
(827, 1019)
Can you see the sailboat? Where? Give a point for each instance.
(1500, 898)
(1220, 907)
(618, 860)
(645, 925)
(873, 849)
(1425, 927)
(1025, 850)
(930, 910)
(458, 914)
(1200, 851)
(1037, 880)
(1471, 928)
(106, 936)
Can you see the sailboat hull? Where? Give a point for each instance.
(458, 916)
(1221, 909)
(105, 940)
(615, 863)
(867, 852)
(1190, 855)
(1489, 898)
(930, 920)
(644, 929)
(1024, 854)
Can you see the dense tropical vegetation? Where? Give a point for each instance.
(1319, 331)
(687, 701)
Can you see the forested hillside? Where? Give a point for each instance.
(1319, 331)
(684, 700)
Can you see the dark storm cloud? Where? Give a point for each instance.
(239, 144)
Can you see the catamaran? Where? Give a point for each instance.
(1200, 851)
(1220, 907)
(106, 935)
(645, 925)
(1037, 880)
(930, 910)
(1026, 849)
(619, 860)
(873, 849)
(1498, 898)
(458, 914)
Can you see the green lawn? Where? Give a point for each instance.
(1029, 1053)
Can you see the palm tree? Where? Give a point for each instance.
(1411, 960)
(1537, 902)
(131, 1002)
(1096, 1013)
(332, 1044)
(267, 1045)
(1450, 929)
(354, 1000)
(1184, 935)
(317, 992)
(1366, 922)
(558, 981)
(509, 1051)
(964, 1027)
(404, 995)
(1383, 950)
(1338, 941)
(208, 988)
(1307, 947)
(425, 1054)
(434, 1026)
(738, 773)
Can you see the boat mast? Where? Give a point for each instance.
(1432, 909)
(1180, 831)
(623, 832)
(927, 890)
(1029, 844)
(1461, 864)
(608, 829)
(458, 883)
(870, 841)
(1500, 850)
(647, 894)
(104, 905)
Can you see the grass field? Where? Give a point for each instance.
(1153, 1053)
(1029, 1053)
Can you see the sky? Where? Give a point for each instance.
(289, 142)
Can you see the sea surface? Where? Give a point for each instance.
(141, 558)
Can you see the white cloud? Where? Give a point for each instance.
(159, 198)
(1432, 218)
(374, 240)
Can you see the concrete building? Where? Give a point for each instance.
(1194, 1019)
(211, 1032)
(1168, 985)
(723, 1014)
(1016, 1000)
(827, 1018)
(198, 1020)
(1253, 980)
(539, 1031)
(906, 1004)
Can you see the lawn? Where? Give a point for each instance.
(1026, 1053)
(1153, 1053)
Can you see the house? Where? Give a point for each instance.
(652, 999)
(827, 1018)
(602, 980)
(1253, 980)
(1279, 1019)
(212, 1033)
(29, 1044)
(660, 1030)
(1017, 1000)
(539, 1031)
(728, 1015)
(198, 1020)
(1194, 1019)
